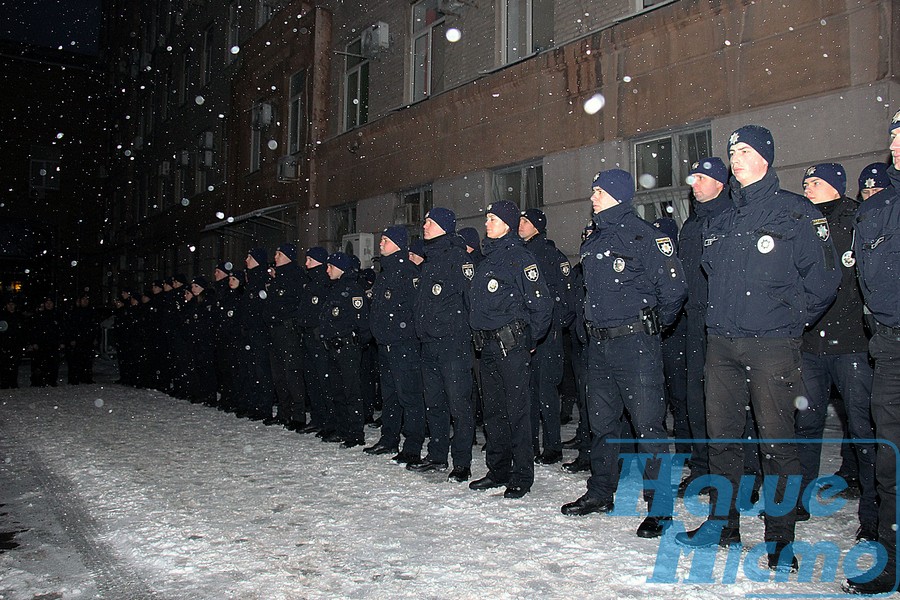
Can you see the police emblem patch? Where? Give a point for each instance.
(765, 244)
(733, 139)
(335, 311)
(822, 231)
(619, 265)
(896, 118)
(810, 171)
(665, 246)
(531, 272)
(436, 289)
(870, 183)
(387, 294)
(493, 285)
(847, 259)
(468, 270)
(566, 268)
(357, 302)
(315, 299)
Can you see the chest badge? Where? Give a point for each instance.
(765, 244)
(493, 285)
(566, 268)
(822, 231)
(531, 272)
(847, 259)
(436, 289)
(619, 265)
(335, 311)
(357, 302)
(315, 299)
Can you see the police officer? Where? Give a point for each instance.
(547, 362)
(257, 361)
(708, 178)
(232, 379)
(876, 248)
(872, 179)
(511, 310)
(82, 328)
(473, 244)
(199, 322)
(315, 359)
(417, 252)
(772, 269)
(441, 307)
(635, 287)
(283, 316)
(343, 329)
(835, 353)
(392, 323)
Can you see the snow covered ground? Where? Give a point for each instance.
(123, 494)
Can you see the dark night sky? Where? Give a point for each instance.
(72, 24)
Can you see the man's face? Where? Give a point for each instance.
(233, 282)
(196, 289)
(818, 190)
(895, 147)
(431, 230)
(156, 289)
(747, 165)
(495, 227)
(177, 285)
(48, 304)
(281, 259)
(601, 200)
(387, 247)
(167, 287)
(312, 263)
(334, 272)
(527, 230)
(866, 193)
(705, 188)
(219, 274)
(251, 262)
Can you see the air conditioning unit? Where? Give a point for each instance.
(375, 38)
(206, 158)
(165, 168)
(360, 245)
(184, 158)
(205, 140)
(288, 169)
(262, 115)
(407, 214)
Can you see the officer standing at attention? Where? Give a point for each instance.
(315, 360)
(256, 359)
(635, 288)
(283, 316)
(835, 353)
(442, 304)
(872, 179)
(344, 329)
(772, 269)
(392, 323)
(511, 310)
(708, 178)
(876, 247)
(547, 362)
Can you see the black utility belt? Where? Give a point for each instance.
(887, 330)
(507, 336)
(608, 333)
(337, 343)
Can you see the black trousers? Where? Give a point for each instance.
(315, 367)
(546, 375)
(764, 374)
(343, 375)
(287, 373)
(885, 350)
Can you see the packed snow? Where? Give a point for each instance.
(114, 492)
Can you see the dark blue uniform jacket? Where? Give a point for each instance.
(283, 301)
(557, 274)
(442, 296)
(629, 265)
(877, 249)
(315, 288)
(690, 249)
(393, 299)
(345, 310)
(772, 267)
(508, 286)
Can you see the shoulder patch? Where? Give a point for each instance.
(822, 230)
(468, 270)
(664, 244)
(357, 302)
(532, 273)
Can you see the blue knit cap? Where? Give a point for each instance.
(397, 234)
(418, 247)
(757, 137)
(259, 255)
(711, 166)
(617, 183)
(833, 173)
(506, 211)
(342, 261)
(318, 254)
(537, 218)
(895, 121)
(470, 235)
(444, 217)
(289, 250)
(874, 176)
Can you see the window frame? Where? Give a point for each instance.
(50, 165)
(298, 119)
(426, 32)
(360, 69)
(522, 201)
